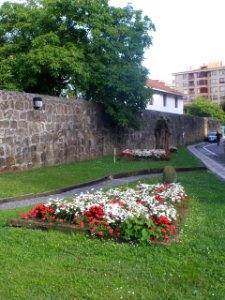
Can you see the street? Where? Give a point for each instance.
(213, 151)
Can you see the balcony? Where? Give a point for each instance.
(191, 91)
(203, 90)
(202, 82)
(202, 75)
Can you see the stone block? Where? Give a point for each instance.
(19, 105)
(4, 124)
(2, 163)
(13, 124)
(10, 161)
(23, 115)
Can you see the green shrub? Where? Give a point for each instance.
(169, 174)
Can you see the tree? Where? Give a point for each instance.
(205, 108)
(222, 106)
(47, 46)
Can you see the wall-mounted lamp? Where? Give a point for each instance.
(37, 102)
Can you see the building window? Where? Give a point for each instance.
(202, 82)
(185, 76)
(176, 102)
(185, 83)
(222, 88)
(213, 81)
(150, 101)
(164, 100)
(214, 73)
(222, 80)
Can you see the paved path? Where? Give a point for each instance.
(101, 185)
(211, 161)
(211, 156)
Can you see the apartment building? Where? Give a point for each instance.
(208, 81)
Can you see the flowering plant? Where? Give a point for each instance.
(149, 212)
(146, 154)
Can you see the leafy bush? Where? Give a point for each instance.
(169, 174)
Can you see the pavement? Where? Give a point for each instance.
(212, 156)
(211, 161)
(108, 183)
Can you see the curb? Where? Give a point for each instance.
(113, 176)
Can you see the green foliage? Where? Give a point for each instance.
(205, 108)
(55, 177)
(222, 106)
(83, 46)
(139, 229)
(169, 174)
(76, 267)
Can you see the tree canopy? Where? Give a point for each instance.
(85, 46)
(205, 108)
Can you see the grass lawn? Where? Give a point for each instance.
(51, 178)
(43, 265)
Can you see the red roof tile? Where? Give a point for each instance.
(161, 86)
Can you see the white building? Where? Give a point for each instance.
(164, 98)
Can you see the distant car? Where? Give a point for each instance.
(211, 137)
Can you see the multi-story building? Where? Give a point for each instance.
(208, 81)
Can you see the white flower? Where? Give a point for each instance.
(119, 205)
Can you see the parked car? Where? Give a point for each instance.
(211, 137)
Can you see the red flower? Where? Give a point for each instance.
(100, 233)
(110, 231)
(24, 216)
(158, 198)
(93, 229)
(95, 212)
(82, 225)
(41, 211)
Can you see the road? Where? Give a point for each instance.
(213, 151)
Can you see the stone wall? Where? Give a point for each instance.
(67, 130)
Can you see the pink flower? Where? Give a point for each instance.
(82, 225)
(24, 216)
(100, 233)
(93, 229)
(111, 231)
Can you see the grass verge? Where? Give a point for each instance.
(51, 178)
(43, 265)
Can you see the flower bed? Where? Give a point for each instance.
(159, 154)
(149, 212)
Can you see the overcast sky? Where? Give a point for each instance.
(189, 33)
